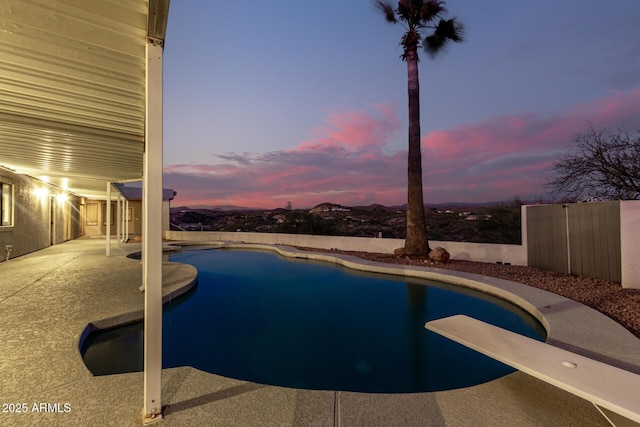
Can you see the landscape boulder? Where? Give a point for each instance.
(399, 252)
(439, 255)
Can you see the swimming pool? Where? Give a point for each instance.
(259, 317)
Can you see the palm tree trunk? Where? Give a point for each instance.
(416, 243)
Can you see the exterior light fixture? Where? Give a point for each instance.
(41, 192)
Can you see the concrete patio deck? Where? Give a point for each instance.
(47, 299)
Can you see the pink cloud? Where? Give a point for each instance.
(342, 163)
(516, 152)
(619, 108)
(348, 160)
(354, 131)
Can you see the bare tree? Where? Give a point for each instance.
(602, 163)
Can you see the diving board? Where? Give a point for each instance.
(607, 387)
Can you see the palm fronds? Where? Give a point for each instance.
(387, 11)
(418, 16)
(430, 10)
(445, 31)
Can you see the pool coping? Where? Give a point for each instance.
(170, 291)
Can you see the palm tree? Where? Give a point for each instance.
(418, 17)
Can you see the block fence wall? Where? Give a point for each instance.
(630, 243)
(482, 252)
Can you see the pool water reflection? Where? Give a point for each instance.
(259, 317)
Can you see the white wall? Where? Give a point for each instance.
(630, 243)
(524, 234)
(484, 252)
(481, 252)
(166, 205)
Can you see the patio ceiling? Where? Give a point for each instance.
(72, 89)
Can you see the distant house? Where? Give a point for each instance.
(329, 207)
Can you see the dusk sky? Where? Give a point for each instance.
(269, 102)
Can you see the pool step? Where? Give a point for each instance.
(607, 387)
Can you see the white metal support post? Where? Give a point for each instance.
(107, 219)
(118, 220)
(152, 234)
(126, 221)
(143, 216)
(122, 219)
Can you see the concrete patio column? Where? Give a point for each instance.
(107, 219)
(118, 219)
(152, 234)
(126, 220)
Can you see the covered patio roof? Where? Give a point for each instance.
(81, 108)
(72, 89)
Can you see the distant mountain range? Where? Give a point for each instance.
(228, 208)
(224, 208)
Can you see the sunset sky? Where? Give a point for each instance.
(305, 102)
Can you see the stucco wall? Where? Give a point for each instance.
(135, 225)
(166, 206)
(32, 216)
(485, 252)
(30, 230)
(630, 243)
(482, 252)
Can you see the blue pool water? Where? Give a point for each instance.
(257, 316)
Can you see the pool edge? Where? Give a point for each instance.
(569, 324)
(186, 280)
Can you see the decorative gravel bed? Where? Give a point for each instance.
(609, 298)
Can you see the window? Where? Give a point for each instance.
(6, 204)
